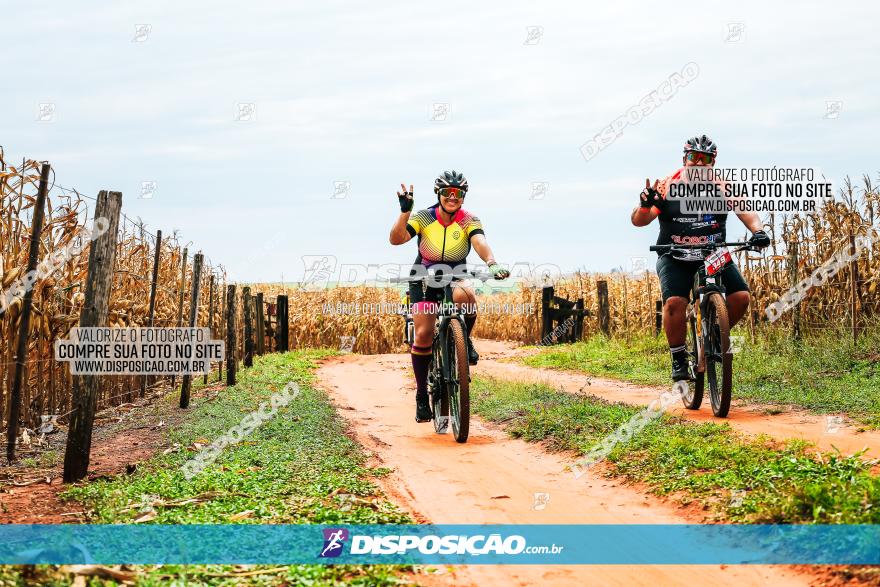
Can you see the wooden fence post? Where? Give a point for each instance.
(793, 268)
(604, 316)
(151, 316)
(193, 316)
(260, 318)
(180, 300)
(210, 317)
(248, 308)
(25, 315)
(854, 288)
(221, 328)
(230, 335)
(546, 314)
(102, 255)
(281, 328)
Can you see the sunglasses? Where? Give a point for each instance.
(452, 193)
(706, 158)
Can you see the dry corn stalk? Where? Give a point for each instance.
(58, 299)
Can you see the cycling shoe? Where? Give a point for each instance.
(423, 409)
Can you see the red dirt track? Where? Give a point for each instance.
(494, 479)
(748, 418)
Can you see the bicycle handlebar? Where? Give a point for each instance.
(482, 276)
(697, 246)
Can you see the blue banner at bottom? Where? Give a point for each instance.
(683, 544)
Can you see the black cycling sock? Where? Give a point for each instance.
(469, 321)
(421, 362)
(678, 352)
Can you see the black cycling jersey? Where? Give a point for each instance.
(677, 228)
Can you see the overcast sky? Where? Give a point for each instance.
(346, 92)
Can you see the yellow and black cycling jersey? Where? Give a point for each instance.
(443, 243)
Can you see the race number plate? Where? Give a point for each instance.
(717, 260)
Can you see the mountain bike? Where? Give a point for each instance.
(708, 328)
(449, 374)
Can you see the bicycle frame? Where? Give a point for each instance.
(704, 286)
(441, 328)
(447, 313)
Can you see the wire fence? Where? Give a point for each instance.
(58, 299)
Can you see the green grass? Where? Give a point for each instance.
(824, 374)
(738, 478)
(298, 467)
(642, 359)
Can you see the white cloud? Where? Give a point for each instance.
(343, 92)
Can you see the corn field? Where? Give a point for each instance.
(315, 321)
(800, 245)
(58, 299)
(365, 319)
(804, 243)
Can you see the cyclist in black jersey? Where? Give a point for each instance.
(676, 269)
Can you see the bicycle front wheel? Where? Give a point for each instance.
(719, 359)
(439, 396)
(458, 381)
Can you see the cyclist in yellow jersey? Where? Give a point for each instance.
(445, 233)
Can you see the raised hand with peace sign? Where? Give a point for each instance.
(651, 195)
(405, 198)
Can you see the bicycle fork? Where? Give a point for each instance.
(704, 324)
(699, 328)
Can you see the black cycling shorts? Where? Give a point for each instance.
(419, 291)
(677, 277)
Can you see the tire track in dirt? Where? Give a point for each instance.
(752, 419)
(493, 479)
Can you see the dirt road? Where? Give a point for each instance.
(825, 433)
(494, 479)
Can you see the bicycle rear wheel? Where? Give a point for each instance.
(719, 360)
(693, 397)
(458, 381)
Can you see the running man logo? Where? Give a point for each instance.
(334, 540)
(318, 269)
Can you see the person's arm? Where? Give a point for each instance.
(752, 221)
(481, 246)
(760, 239)
(645, 213)
(643, 216)
(399, 232)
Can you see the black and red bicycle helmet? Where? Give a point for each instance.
(450, 179)
(701, 144)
